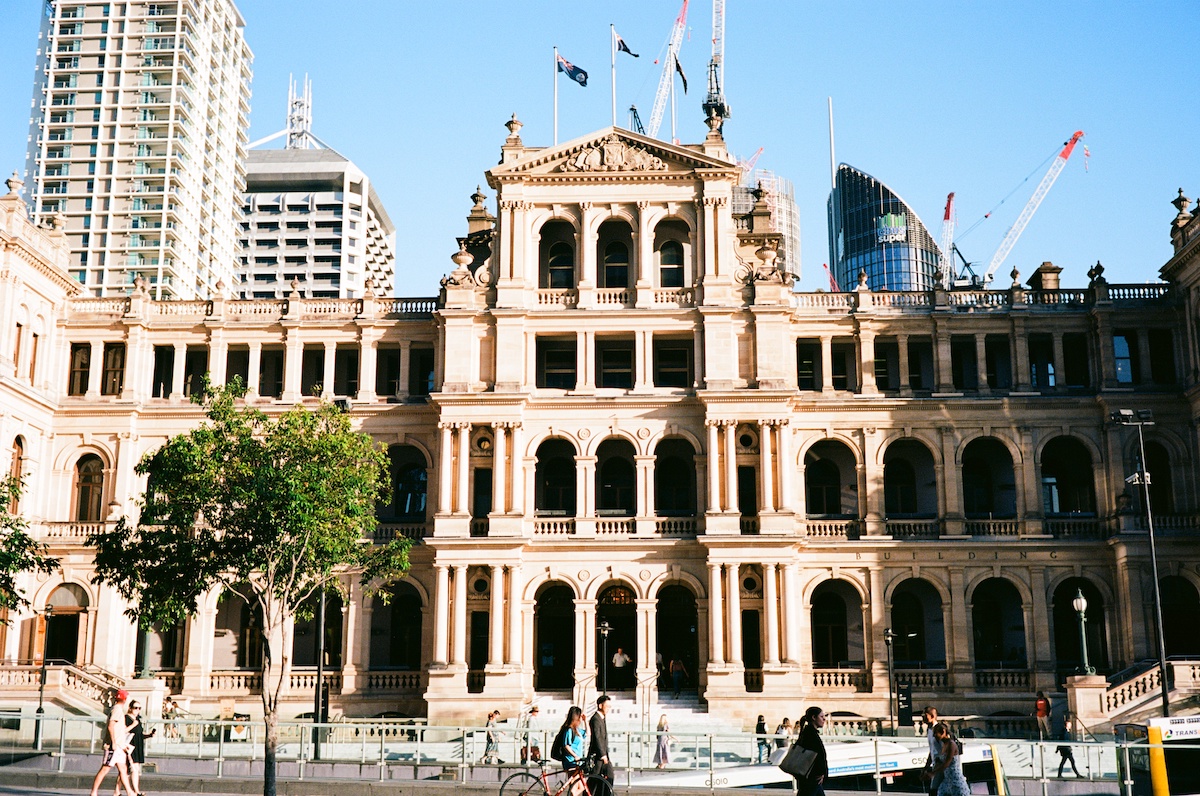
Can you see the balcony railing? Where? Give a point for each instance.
(850, 680)
(560, 298)
(1003, 679)
(914, 529)
(387, 531)
(614, 297)
(925, 679)
(394, 682)
(992, 527)
(677, 527)
(615, 527)
(1086, 528)
(819, 528)
(558, 526)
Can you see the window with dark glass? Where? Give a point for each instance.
(270, 372)
(16, 471)
(164, 370)
(387, 371)
(112, 376)
(89, 489)
(808, 365)
(845, 374)
(554, 479)
(1076, 360)
(829, 631)
(420, 371)
(616, 265)
(561, 265)
(1125, 352)
(963, 364)
(673, 363)
(614, 496)
(899, 488)
(920, 364)
(887, 365)
(345, 371)
(409, 481)
(31, 371)
(556, 363)
(999, 362)
(674, 478)
(1041, 362)
(670, 264)
(195, 366)
(312, 370)
(823, 488)
(20, 333)
(1162, 356)
(237, 365)
(614, 363)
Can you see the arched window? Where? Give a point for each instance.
(823, 486)
(615, 478)
(409, 486)
(1067, 478)
(17, 471)
(1158, 464)
(396, 630)
(89, 486)
(561, 265)
(670, 264)
(554, 479)
(674, 478)
(830, 643)
(616, 265)
(899, 488)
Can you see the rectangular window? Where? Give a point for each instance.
(1162, 356)
(270, 372)
(556, 364)
(420, 371)
(33, 353)
(345, 371)
(845, 374)
(614, 363)
(1125, 351)
(112, 378)
(808, 364)
(887, 365)
(999, 361)
(963, 363)
(164, 370)
(195, 365)
(1075, 360)
(1041, 362)
(673, 363)
(81, 369)
(237, 364)
(312, 370)
(17, 347)
(920, 364)
(387, 371)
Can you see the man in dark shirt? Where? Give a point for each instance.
(598, 730)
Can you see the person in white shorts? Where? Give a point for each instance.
(116, 746)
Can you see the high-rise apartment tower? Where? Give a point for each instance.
(138, 137)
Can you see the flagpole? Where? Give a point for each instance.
(612, 46)
(556, 96)
(674, 138)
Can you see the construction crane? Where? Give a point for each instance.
(668, 73)
(946, 253)
(747, 165)
(635, 121)
(1010, 239)
(714, 103)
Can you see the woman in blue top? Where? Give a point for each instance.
(575, 739)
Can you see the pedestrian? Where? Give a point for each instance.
(137, 740)
(660, 669)
(678, 674)
(529, 741)
(1041, 710)
(116, 745)
(1066, 756)
(620, 662)
(170, 712)
(662, 753)
(949, 763)
(574, 732)
(598, 744)
(760, 735)
(783, 733)
(931, 778)
(491, 752)
(810, 738)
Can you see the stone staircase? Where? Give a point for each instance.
(1134, 695)
(72, 689)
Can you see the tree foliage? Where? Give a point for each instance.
(275, 508)
(19, 552)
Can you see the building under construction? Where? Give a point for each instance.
(781, 197)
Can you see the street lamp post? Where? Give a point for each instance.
(605, 628)
(1080, 606)
(888, 636)
(41, 709)
(1144, 417)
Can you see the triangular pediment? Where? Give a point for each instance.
(609, 152)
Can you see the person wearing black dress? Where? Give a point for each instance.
(810, 738)
(137, 739)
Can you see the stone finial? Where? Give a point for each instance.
(295, 294)
(514, 129)
(1096, 273)
(1016, 277)
(766, 254)
(58, 221)
(862, 280)
(478, 197)
(139, 285)
(15, 184)
(220, 285)
(462, 258)
(1181, 203)
(369, 288)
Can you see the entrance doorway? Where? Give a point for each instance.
(554, 638)
(677, 637)
(616, 606)
(66, 624)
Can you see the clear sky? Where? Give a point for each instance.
(929, 97)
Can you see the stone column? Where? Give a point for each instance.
(1020, 356)
(714, 469)
(643, 658)
(826, 363)
(254, 370)
(405, 364)
(218, 354)
(730, 466)
(766, 487)
(460, 615)
(716, 636)
(793, 613)
(641, 360)
(589, 360)
(585, 479)
(368, 360)
(441, 625)
(1060, 368)
(496, 617)
(499, 468)
(585, 637)
(351, 633)
(645, 485)
(866, 347)
(464, 464)
(959, 648)
(518, 471)
(902, 364)
(293, 360)
(445, 475)
(514, 616)
(1040, 655)
(787, 468)
(734, 588)
(1143, 347)
(942, 361)
(981, 363)
(327, 369)
(771, 614)
(177, 371)
(95, 369)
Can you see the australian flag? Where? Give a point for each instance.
(622, 46)
(573, 71)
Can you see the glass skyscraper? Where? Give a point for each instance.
(872, 229)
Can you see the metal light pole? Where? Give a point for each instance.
(318, 699)
(1080, 606)
(41, 709)
(888, 636)
(605, 628)
(1144, 417)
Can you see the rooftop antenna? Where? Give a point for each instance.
(832, 161)
(299, 121)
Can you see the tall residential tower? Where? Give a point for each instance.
(137, 138)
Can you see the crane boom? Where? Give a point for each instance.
(1010, 239)
(668, 73)
(714, 103)
(946, 253)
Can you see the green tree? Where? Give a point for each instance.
(19, 552)
(270, 509)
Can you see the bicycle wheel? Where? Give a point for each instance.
(523, 783)
(598, 786)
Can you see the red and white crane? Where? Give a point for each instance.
(1014, 232)
(946, 253)
(668, 73)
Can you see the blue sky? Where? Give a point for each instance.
(929, 97)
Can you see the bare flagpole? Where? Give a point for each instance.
(612, 44)
(556, 96)
(674, 138)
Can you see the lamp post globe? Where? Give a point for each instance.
(1080, 605)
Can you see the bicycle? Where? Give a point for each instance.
(526, 783)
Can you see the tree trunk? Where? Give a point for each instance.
(270, 744)
(276, 668)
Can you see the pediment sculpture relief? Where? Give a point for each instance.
(613, 154)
